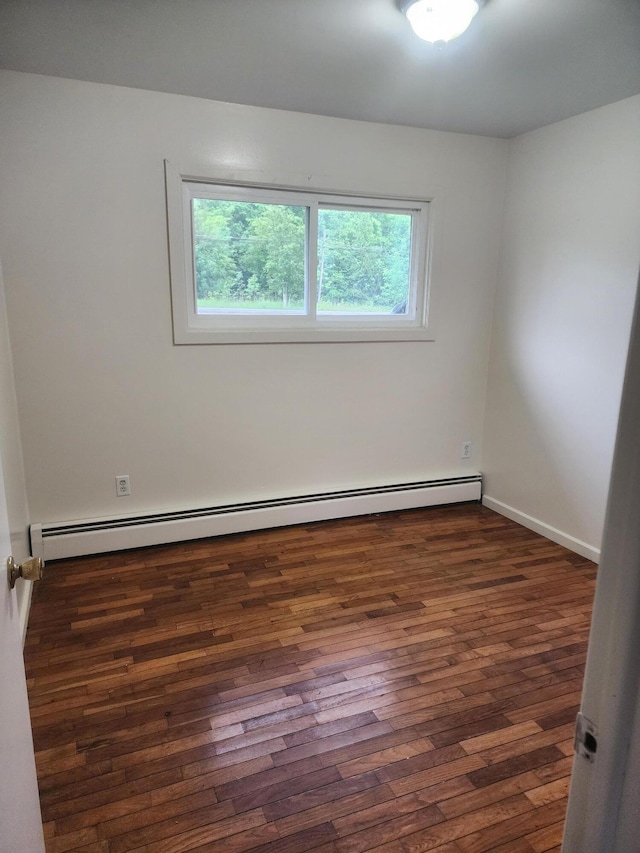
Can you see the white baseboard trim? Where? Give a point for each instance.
(570, 542)
(59, 540)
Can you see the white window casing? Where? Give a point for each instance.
(197, 325)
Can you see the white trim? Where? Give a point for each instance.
(55, 541)
(25, 608)
(558, 536)
(191, 326)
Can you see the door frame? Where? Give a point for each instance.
(605, 787)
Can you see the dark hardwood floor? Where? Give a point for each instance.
(398, 683)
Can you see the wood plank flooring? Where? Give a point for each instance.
(395, 683)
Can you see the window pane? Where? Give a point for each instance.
(364, 261)
(248, 256)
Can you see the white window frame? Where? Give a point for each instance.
(261, 326)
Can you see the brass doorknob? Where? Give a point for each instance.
(30, 570)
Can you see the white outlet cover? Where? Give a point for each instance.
(123, 487)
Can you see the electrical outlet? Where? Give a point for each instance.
(466, 450)
(122, 485)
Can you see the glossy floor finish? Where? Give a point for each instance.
(395, 683)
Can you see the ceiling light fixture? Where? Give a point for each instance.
(439, 20)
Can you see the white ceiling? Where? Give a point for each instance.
(521, 65)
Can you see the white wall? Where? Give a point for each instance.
(569, 267)
(102, 390)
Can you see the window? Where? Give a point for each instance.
(256, 264)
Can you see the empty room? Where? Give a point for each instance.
(319, 404)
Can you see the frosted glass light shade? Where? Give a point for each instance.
(441, 20)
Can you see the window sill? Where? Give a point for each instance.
(190, 336)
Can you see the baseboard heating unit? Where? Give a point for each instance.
(59, 540)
